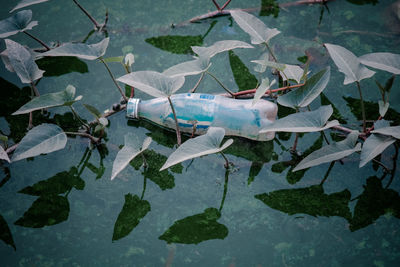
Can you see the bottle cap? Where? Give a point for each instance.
(132, 108)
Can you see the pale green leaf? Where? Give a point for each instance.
(198, 146)
(383, 107)
(373, 146)
(25, 3)
(390, 131)
(129, 59)
(264, 63)
(331, 152)
(153, 83)
(262, 89)
(348, 64)
(383, 61)
(63, 98)
(19, 22)
(259, 33)
(132, 148)
(260, 67)
(219, 47)
(84, 51)
(304, 95)
(114, 59)
(42, 139)
(310, 121)
(22, 62)
(193, 67)
(3, 154)
(292, 72)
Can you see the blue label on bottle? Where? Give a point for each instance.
(210, 97)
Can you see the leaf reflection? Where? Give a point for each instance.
(5, 233)
(176, 44)
(57, 66)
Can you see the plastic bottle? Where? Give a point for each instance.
(196, 112)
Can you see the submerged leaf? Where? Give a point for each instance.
(311, 121)
(19, 22)
(264, 63)
(42, 139)
(63, 98)
(383, 61)
(199, 146)
(257, 30)
(175, 43)
(93, 110)
(373, 146)
(84, 51)
(57, 66)
(131, 149)
(331, 152)
(153, 83)
(25, 3)
(304, 95)
(348, 64)
(22, 62)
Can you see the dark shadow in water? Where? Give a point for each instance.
(199, 227)
(309, 200)
(269, 7)
(132, 212)
(179, 44)
(7, 174)
(336, 113)
(45, 211)
(363, 2)
(57, 66)
(374, 202)
(243, 77)
(5, 233)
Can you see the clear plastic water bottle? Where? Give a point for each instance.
(196, 112)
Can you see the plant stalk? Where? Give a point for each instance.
(178, 133)
(327, 172)
(223, 86)
(96, 24)
(197, 84)
(35, 90)
(113, 78)
(79, 118)
(92, 138)
(226, 165)
(362, 106)
(225, 190)
(37, 40)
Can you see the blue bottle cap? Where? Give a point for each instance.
(132, 108)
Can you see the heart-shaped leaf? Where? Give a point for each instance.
(260, 67)
(390, 131)
(348, 64)
(259, 33)
(373, 146)
(331, 152)
(193, 67)
(63, 98)
(199, 146)
(22, 62)
(262, 89)
(19, 22)
(3, 154)
(219, 47)
(131, 149)
(304, 95)
(132, 212)
(25, 3)
(292, 72)
(42, 139)
(153, 83)
(383, 107)
(83, 51)
(310, 121)
(383, 61)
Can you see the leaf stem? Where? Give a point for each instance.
(226, 165)
(327, 172)
(113, 78)
(37, 40)
(223, 86)
(96, 24)
(362, 106)
(144, 186)
(35, 90)
(225, 190)
(197, 84)
(79, 118)
(178, 133)
(92, 138)
(252, 91)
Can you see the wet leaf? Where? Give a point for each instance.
(196, 228)
(384, 61)
(42, 139)
(219, 47)
(311, 121)
(373, 146)
(80, 50)
(303, 96)
(348, 64)
(25, 3)
(153, 83)
(22, 62)
(63, 98)
(5, 233)
(175, 43)
(132, 212)
(332, 152)
(132, 148)
(243, 78)
(257, 30)
(199, 146)
(47, 210)
(19, 22)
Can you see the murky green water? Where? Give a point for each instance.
(63, 210)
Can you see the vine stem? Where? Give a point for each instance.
(92, 138)
(327, 173)
(93, 20)
(35, 90)
(178, 133)
(362, 106)
(197, 84)
(252, 91)
(226, 165)
(79, 118)
(37, 40)
(113, 78)
(220, 83)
